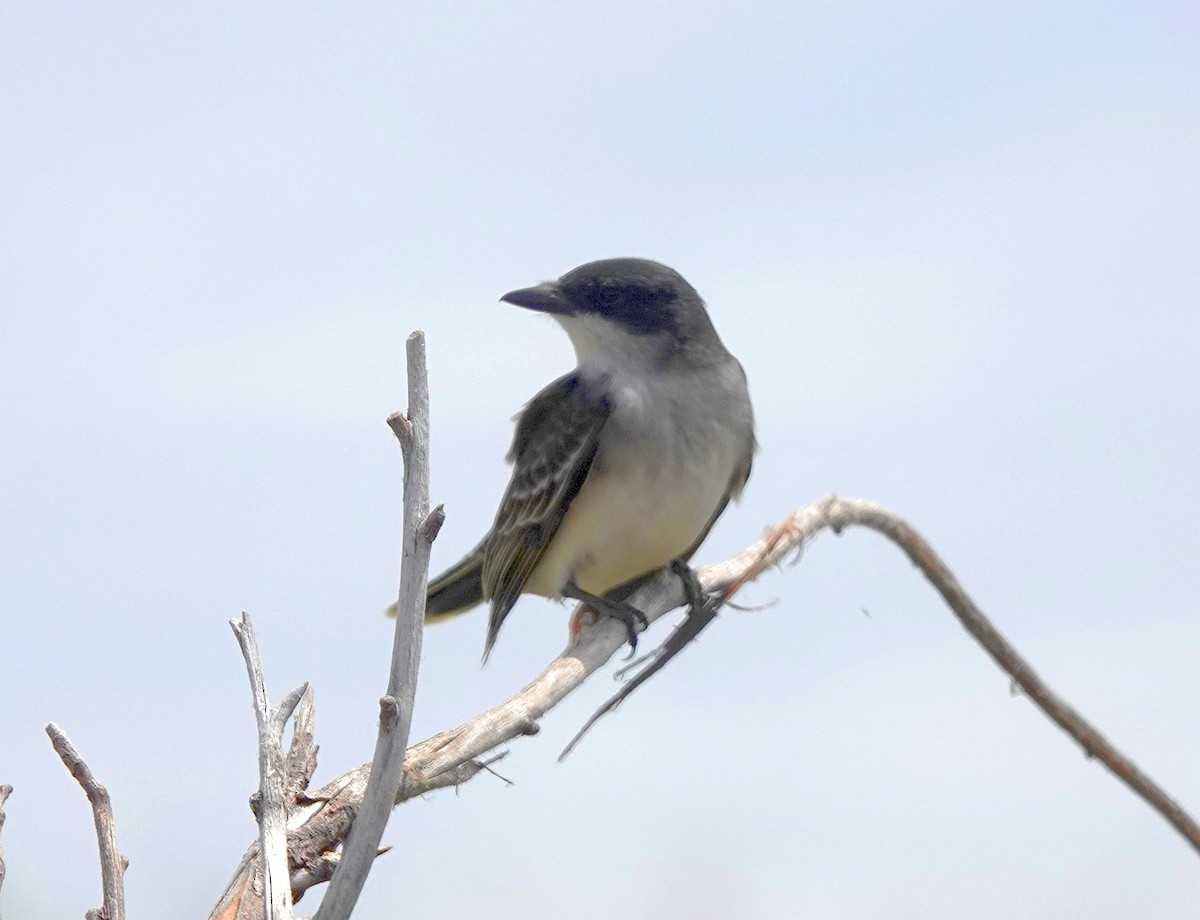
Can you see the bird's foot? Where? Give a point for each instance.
(698, 599)
(632, 618)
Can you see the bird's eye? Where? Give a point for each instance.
(609, 295)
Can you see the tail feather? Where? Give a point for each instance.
(455, 591)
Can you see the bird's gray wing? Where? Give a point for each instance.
(553, 449)
(737, 482)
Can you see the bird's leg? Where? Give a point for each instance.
(703, 610)
(698, 599)
(634, 619)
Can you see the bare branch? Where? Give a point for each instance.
(310, 877)
(837, 514)
(845, 513)
(302, 755)
(112, 863)
(453, 756)
(273, 798)
(5, 792)
(395, 709)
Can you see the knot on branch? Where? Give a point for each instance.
(431, 524)
(402, 427)
(389, 712)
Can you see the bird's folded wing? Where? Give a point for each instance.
(555, 444)
(732, 492)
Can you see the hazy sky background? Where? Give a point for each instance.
(957, 248)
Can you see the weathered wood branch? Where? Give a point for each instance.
(5, 792)
(112, 863)
(395, 709)
(246, 901)
(273, 776)
(454, 756)
(302, 753)
(848, 513)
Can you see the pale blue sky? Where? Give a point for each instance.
(955, 246)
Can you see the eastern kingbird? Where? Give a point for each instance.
(622, 466)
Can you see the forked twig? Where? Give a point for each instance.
(273, 801)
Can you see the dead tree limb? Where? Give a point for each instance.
(302, 754)
(5, 792)
(395, 709)
(272, 800)
(112, 863)
(454, 756)
(847, 513)
(244, 900)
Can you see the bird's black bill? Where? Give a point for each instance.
(545, 298)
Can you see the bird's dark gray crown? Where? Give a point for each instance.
(641, 295)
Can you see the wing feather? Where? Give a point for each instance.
(555, 443)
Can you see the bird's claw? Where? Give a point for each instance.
(634, 622)
(632, 618)
(698, 599)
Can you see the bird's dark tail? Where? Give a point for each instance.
(455, 591)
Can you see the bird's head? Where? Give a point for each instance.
(624, 312)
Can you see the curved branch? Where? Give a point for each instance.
(112, 863)
(843, 514)
(452, 756)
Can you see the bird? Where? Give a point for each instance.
(621, 467)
